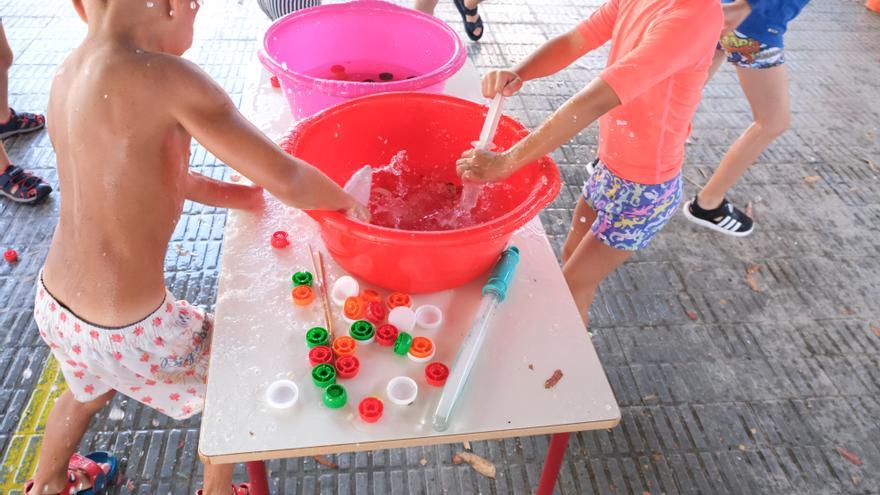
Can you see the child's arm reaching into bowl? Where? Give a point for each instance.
(209, 115)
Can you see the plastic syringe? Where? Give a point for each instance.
(494, 293)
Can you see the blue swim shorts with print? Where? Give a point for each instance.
(750, 53)
(629, 214)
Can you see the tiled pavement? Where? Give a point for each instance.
(723, 389)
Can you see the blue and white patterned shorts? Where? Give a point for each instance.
(629, 214)
(750, 53)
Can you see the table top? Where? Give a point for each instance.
(259, 337)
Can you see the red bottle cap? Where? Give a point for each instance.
(396, 299)
(279, 240)
(436, 374)
(370, 409)
(347, 366)
(338, 69)
(319, 355)
(344, 346)
(274, 82)
(386, 335)
(370, 295)
(354, 308)
(302, 295)
(10, 255)
(376, 312)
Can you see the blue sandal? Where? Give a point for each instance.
(21, 186)
(21, 123)
(470, 27)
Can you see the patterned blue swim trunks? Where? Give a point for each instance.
(629, 214)
(750, 53)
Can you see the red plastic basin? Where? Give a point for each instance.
(434, 130)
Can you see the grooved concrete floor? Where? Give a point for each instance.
(723, 389)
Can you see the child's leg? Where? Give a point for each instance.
(65, 427)
(426, 6)
(767, 92)
(589, 264)
(218, 479)
(5, 64)
(583, 218)
(4, 158)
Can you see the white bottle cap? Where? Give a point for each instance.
(429, 317)
(343, 288)
(282, 394)
(403, 318)
(402, 390)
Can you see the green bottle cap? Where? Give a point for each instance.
(317, 336)
(402, 344)
(335, 396)
(362, 331)
(323, 375)
(301, 278)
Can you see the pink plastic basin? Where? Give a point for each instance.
(434, 130)
(301, 48)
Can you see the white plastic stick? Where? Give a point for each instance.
(491, 123)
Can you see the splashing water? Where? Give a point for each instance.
(402, 197)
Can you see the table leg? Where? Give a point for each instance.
(258, 478)
(552, 463)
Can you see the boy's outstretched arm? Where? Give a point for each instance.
(202, 107)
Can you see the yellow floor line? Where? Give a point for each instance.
(20, 458)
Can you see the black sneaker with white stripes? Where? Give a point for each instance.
(727, 219)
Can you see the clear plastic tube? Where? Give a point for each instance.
(464, 361)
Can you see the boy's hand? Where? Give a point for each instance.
(483, 166)
(505, 82)
(359, 212)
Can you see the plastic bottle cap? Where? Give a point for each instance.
(436, 374)
(353, 309)
(370, 295)
(344, 288)
(337, 69)
(323, 375)
(386, 334)
(403, 318)
(10, 255)
(282, 394)
(370, 409)
(302, 278)
(421, 350)
(302, 295)
(376, 312)
(402, 390)
(279, 240)
(347, 367)
(335, 396)
(429, 317)
(402, 343)
(317, 336)
(397, 299)
(274, 82)
(320, 354)
(344, 346)
(362, 331)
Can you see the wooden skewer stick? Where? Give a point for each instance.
(318, 268)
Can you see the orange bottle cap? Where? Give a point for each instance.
(302, 295)
(344, 346)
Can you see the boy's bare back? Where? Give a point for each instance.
(121, 117)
